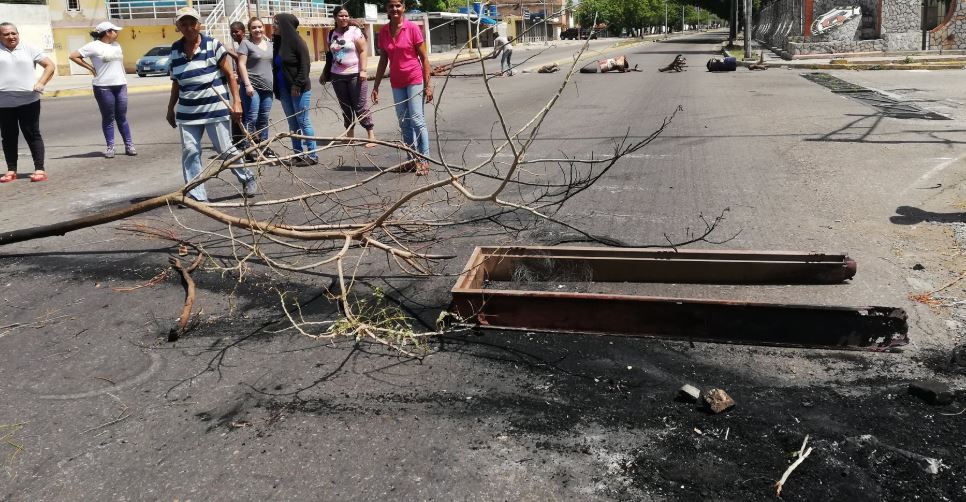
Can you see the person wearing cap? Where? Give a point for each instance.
(204, 97)
(20, 100)
(110, 83)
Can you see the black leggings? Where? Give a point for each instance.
(351, 91)
(28, 119)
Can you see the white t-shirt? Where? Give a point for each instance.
(108, 62)
(17, 76)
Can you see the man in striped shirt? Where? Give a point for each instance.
(201, 79)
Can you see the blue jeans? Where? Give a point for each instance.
(296, 108)
(256, 110)
(220, 135)
(409, 111)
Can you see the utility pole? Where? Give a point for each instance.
(682, 17)
(748, 56)
(665, 18)
(733, 29)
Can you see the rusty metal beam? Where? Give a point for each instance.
(665, 265)
(687, 318)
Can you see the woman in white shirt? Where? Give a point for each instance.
(110, 83)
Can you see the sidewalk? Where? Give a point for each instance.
(903, 60)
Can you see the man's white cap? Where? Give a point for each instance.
(106, 25)
(186, 12)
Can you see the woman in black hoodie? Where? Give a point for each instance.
(290, 66)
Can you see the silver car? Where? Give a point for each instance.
(157, 60)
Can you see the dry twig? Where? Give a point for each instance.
(801, 454)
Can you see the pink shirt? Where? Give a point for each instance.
(343, 47)
(404, 66)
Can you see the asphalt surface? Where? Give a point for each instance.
(242, 408)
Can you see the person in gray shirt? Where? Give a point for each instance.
(255, 79)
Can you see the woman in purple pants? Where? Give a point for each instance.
(110, 83)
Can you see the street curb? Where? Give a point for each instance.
(925, 65)
(89, 91)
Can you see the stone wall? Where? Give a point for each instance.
(779, 27)
(901, 24)
(899, 16)
(836, 47)
(951, 34)
(848, 32)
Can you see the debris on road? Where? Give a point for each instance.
(619, 64)
(689, 393)
(679, 64)
(718, 401)
(871, 446)
(932, 392)
(760, 64)
(729, 63)
(549, 68)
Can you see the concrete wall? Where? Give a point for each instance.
(33, 23)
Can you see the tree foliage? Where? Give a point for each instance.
(620, 14)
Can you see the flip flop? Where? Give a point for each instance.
(38, 177)
(7, 178)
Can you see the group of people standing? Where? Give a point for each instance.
(209, 89)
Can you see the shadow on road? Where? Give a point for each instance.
(908, 215)
(864, 127)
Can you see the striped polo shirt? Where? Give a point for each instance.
(202, 94)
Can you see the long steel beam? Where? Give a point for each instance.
(687, 318)
(663, 265)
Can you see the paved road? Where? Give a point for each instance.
(237, 412)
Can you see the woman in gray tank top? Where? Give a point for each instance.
(255, 74)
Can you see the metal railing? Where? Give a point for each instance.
(154, 9)
(217, 24)
(304, 10)
(308, 12)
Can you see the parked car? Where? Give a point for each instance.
(157, 60)
(577, 34)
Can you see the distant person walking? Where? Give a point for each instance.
(290, 67)
(201, 101)
(110, 83)
(347, 70)
(255, 71)
(502, 48)
(20, 100)
(404, 50)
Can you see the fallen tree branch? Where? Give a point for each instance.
(189, 300)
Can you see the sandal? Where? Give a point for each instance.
(38, 177)
(7, 178)
(406, 167)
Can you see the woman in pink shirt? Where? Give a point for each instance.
(404, 49)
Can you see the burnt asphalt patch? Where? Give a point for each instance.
(887, 106)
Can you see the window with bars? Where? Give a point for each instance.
(73, 4)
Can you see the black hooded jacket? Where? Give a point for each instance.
(294, 55)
